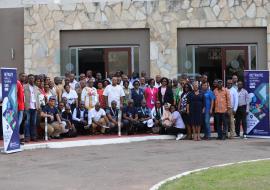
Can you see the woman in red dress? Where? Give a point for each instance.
(100, 90)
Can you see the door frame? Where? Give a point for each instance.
(106, 58)
(223, 58)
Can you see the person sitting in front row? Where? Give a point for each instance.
(157, 113)
(55, 126)
(81, 119)
(167, 120)
(112, 115)
(144, 114)
(66, 116)
(130, 118)
(178, 127)
(99, 119)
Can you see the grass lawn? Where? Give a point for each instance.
(247, 176)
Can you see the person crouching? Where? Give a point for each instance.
(99, 119)
(81, 119)
(55, 126)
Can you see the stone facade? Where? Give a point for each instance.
(44, 21)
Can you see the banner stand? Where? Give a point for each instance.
(257, 85)
(9, 115)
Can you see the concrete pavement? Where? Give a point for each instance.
(132, 166)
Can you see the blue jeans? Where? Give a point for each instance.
(30, 127)
(207, 130)
(222, 126)
(20, 117)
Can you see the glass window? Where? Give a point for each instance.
(69, 57)
(118, 61)
(186, 60)
(253, 57)
(136, 59)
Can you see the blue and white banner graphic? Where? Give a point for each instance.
(257, 85)
(10, 110)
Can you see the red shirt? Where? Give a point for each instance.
(20, 96)
(101, 98)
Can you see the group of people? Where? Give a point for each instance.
(139, 104)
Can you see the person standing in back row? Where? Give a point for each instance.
(242, 110)
(165, 93)
(209, 98)
(222, 107)
(20, 99)
(195, 108)
(114, 92)
(150, 94)
(32, 105)
(234, 105)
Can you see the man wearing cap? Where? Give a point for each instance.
(130, 117)
(81, 119)
(222, 107)
(55, 126)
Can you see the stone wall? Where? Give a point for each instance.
(162, 17)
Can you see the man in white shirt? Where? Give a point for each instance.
(235, 82)
(73, 81)
(234, 105)
(71, 96)
(242, 110)
(158, 83)
(99, 119)
(114, 92)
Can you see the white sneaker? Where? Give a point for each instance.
(179, 137)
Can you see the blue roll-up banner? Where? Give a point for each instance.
(10, 110)
(257, 85)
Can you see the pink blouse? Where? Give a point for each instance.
(151, 96)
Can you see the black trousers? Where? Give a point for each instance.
(80, 128)
(175, 131)
(222, 125)
(241, 117)
(130, 127)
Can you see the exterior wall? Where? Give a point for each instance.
(11, 37)
(163, 18)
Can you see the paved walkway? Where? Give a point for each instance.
(120, 167)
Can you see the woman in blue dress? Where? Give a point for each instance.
(195, 108)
